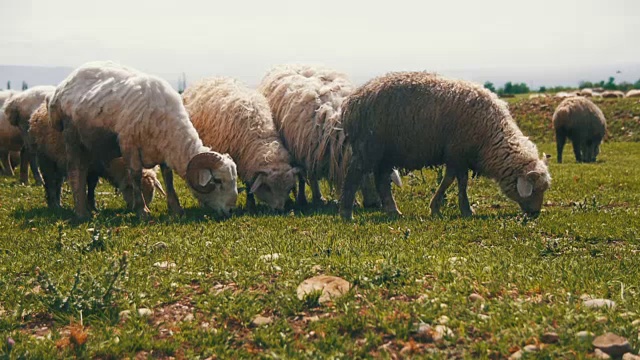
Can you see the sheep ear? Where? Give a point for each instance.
(204, 177)
(395, 178)
(545, 158)
(158, 186)
(525, 187)
(256, 183)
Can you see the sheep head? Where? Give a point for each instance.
(530, 186)
(274, 185)
(117, 172)
(212, 178)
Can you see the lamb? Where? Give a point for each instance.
(305, 102)
(106, 110)
(418, 119)
(584, 124)
(232, 118)
(633, 93)
(52, 159)
(18, 110)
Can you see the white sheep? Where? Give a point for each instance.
(232, 118)
(108, 110)
(305, 102)
(633, 93)
(10, 139)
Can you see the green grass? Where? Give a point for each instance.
(55, 273)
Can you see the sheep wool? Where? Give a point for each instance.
(107, 110)
(10, 139)
(232, 118)
(582, 121)
(417, 119)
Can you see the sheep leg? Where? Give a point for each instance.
(7, 169)
(77, 173)
(370, 197)
(92, 182)
(315, 192)
(134, 161)
(438, 197)
(352, 180)
(383, 184)
(172, 198)
(251, 200)
(577, 145)
(301, 197)
(561, 138)
(463, 199)
(33, 163)
(24, 166)
(49, 175)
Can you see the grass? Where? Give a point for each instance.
(64, 285)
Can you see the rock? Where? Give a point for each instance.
(630, 356)
(635, 322)
(475, 297)
(311, 318)
(332, 287)
(599, 303)
(145, 312)
(483, 317)
(270, 257)
(441, 331)
(550, 338)
(612, 344)
(188, 318)
(531, 348)
(516, 355)
(584, 335)
(164, 265)
(316, 268)
(262, 320)
(444, 319)
(602, 319)
(599, 354)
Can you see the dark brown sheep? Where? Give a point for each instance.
(584, 124)
(416, 119)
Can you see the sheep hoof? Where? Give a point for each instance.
(436, 213)
(144, 213)
(467, 213)
(346, 215)
(394, 213)
(371, 204)
(319, 202)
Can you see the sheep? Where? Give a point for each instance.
(230, 117)
(584, 124)
(106, 110)
(18, 110)
(418, 119)
(586, 92)
(52, 159)
(612, 94)
(10, 139)
(305, 102)
(633, 93)
(564, 95)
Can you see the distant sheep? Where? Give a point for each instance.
(613, 94)
(305, 102)
(106, 110)
(417, 119)
(584, 124)
(52, 159)
(18, 110)
(633, 93)
(564, 95)
(232, 118)
(586, 92)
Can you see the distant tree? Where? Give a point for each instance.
(611, 84)
(24, 85)
(585, 84)
(542, 89)
(636, 85)
(9, 85)
(489, 85)
(182, 83)
(625, 86)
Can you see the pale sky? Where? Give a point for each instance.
(475, 39)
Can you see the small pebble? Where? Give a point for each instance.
(635, 322)
(262, 320)
(145, 312)
(516, 355)
(550, 338)
(630, 356)
(188, 318)
(601, 319)
(124, 314)
(599, 354)
(599, 303)
(612, 344)
(270, 257)
(584, 335)
(475, 297)
(531, 348)
(444, 319)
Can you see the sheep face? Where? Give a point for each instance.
(214, 183)
(528, 188)
(274, 185)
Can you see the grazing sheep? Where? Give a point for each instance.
(586, 92)
(18, 110)
(106, 110)
(633, 93)
(52, 158)
(564, 95)
(305, 102)
(584, 124)
(230, 117)
(10, 139)
(612, 94)
(416, 119)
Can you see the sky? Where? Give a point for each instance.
(541, 42)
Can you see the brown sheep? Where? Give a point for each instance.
(417, 119)
(52, 158)
(582, 121)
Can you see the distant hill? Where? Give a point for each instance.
(32, 75)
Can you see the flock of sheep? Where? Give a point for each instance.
(301, 125)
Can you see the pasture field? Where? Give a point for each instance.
(66, 287)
